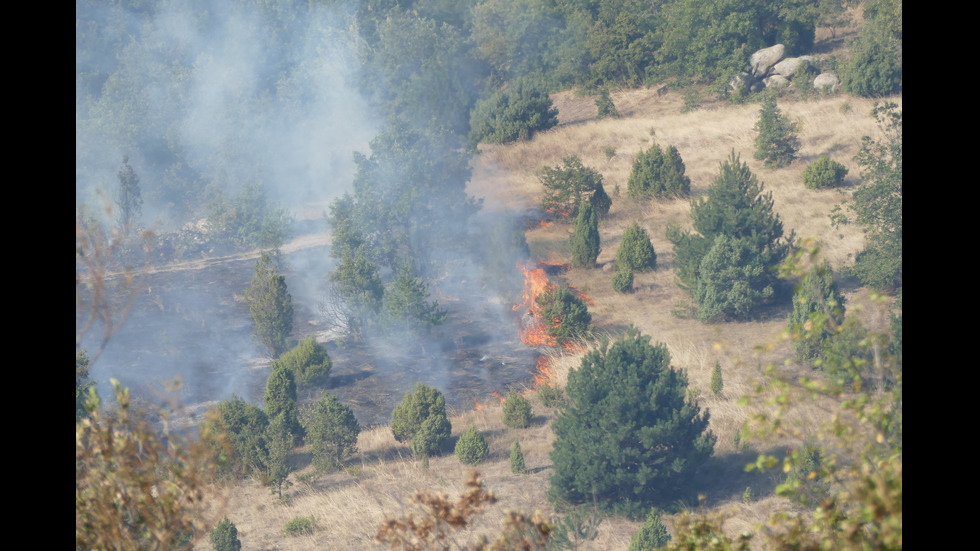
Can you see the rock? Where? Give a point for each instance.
(744, 80)
(763, 60)
(826, 82)
(790, 65)
(776, 82)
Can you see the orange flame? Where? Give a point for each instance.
(477, 406)
(498, 396)
(546, 224)
(545, 374)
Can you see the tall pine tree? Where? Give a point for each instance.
(270, 305)
(585, 239)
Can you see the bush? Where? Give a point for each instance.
(818, 313)
(471, 448)
(824, 173)
(270, 305)
(734, 279)
(658, 173)
(432, 437)
(622, 280)
(569, 313)
(604, 104)
(663, 438)
(717, 384)
(585, 242)
(517, 411)
(776, 144)
(875, 66)
(332, 433)
(300, 526)
(224, 536)
(636, 250)
(416, 406)
(569, 185)
(652, 535)
(309, 362)
(246, 426)
(512, 115)
(551, 396)
(517, 459)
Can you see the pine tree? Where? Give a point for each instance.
(309, 361)
(636, 250)
(130, 198)
(658, 173)
(568, 313)
(605, 106)
(224, 536)
(280, 400)
(717, 383)
(246, 427)
(517, 411)
(281, 441)
(406, 305)
(629, 435)
(569, 185)
(416, 406)
(517, 459)
(818, 313)
(736, 208)
(471, 448)
(585, 239)
(622, 280)
(777, 143)
(332, 433)
(270, 305)
(652, 535)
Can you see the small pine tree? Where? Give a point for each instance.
(517, 411)
(600, 201)
(270, 305)
(416, 406)
(517, 459)
(569, 185)
(332, 433)
(622, 280)
(432, 436)
(604, 104)
(309, 361)
(280, 400)
(717, 384)
(406, 305)
(130, 199)
(652, 535)
(281, 442)
(636, 250)
(471, 448)
(776, 144)
(824, 173)
(585, 239)
(569, 313)
(224, 536)
(658, 173)
(818, 314)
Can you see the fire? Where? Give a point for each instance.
(497, 396)
(533, 331)
(546, 224)
(544, 373)
(585, 298)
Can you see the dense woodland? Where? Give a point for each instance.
(206, 128)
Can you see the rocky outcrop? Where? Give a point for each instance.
(763, 60)
(827, 81)
(770, 69)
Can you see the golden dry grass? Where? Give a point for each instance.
(350, 507)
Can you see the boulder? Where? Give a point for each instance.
(790, 65)
(776, 82)
(826, 82)
(763, 60)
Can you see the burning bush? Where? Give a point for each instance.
(569, 316)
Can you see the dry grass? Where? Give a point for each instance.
(350, 507)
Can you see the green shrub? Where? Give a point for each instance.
(517, 459)
(432, 437)
(824, 173)
(512, 115)
(416, 406)
(636, 250)
(551, 396)
(309, 361)
(717, 384)
(569, 185)
(224, 536)
(658, 173)
(776, 144)
(517, 411)
(585, 241)
(471, 448)
(622, 280)
(605, 105)
(652, 535)
(300, 526)
(569, 313)
(875, 66)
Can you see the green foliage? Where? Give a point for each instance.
(636, 250)
(130, 198)
(248, 220)
(358, 289)
(600, 201)
(629, 436)
(824, 173)
(432, 437)
(517, 411)
(584, 241)
(471, 448)
(658, 173)
(818, 313)
(804, 481)
(777, 143)
(331, 432)
(568, 313)
(512, 115)
(308, 361)
(733, 280)
(280, 400)
(300, 526)
(245, 427)
(622, 280)
(82, 383)
(406, 305)
(517, 465)
(572, 530)
(875, 66)
(224, 536)
(568, 186)
(416, 406)
(742, 266)
(604, 104)
(717, 383)
(652, 535)
(551, 396)
(270, 306)
(281, 442)
(877, 203)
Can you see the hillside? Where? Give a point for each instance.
(349, 506)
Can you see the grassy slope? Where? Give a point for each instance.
(349, 507)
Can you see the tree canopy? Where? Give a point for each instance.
(270, 305)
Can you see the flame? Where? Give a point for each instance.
(585, 298)
(498, 396)
(477, 406)
(545, 374)
(546, 224)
